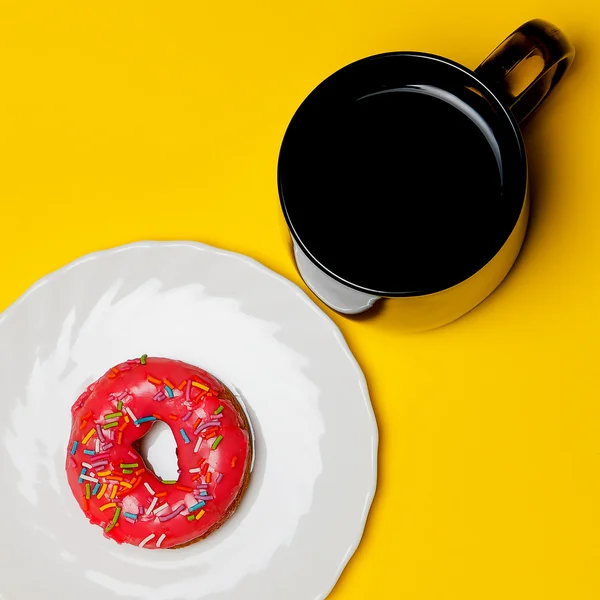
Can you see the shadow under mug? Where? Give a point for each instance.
(404, 175)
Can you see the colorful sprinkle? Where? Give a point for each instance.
(161, 508)
(108, 505)
(169, 481)
(89, 452)
(87, 416)
(113, 492)
(119, 404)
(130, 413)
(184, 435)
(113, 415)
(197, 506)
(144, 420)
(102, 491)
(188, 390)
(88, 491)
(87, 465)
(196, 470)
(183, 488)
(161, 494)
(83, 424)
(169, 391)
(171, 515)
(191, 518)
(88, 436)
(88, 478)
(201, 386)
(99, 432)
(140, 471)
(210, 434)
(154, 380)
(96, 488)
(126, 484)
(115, 518)
(149, 488)
(129, 465)
(199, 397)
(186, 416)
(74, 448)
(219, 410)
(160, 540)
(127, 471)
(217, 442)
(109, 425)
(143, 359)
(173, 417)
(234, 461)
(86, 505)
(104, 473)
(218, 480)
(207, 425)
(130, 515)
(146, 540)
(159, 397)
(208, 477)
(198, 444)
(182, 385)
(200, 514)
(152, 504)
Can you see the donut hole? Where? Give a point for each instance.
(159, 451)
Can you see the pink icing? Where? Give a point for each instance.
(223, 462)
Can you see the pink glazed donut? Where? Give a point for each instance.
(108, 477)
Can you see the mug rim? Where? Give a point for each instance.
(521, 178)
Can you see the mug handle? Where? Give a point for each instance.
(536, 38)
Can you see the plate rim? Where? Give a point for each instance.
(203, 247)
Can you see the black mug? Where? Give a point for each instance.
(404, 175)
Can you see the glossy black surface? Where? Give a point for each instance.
(401, 174)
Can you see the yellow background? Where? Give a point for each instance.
(133, 120)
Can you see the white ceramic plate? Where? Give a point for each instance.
(316, 437)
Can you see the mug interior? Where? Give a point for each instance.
(402, 174)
